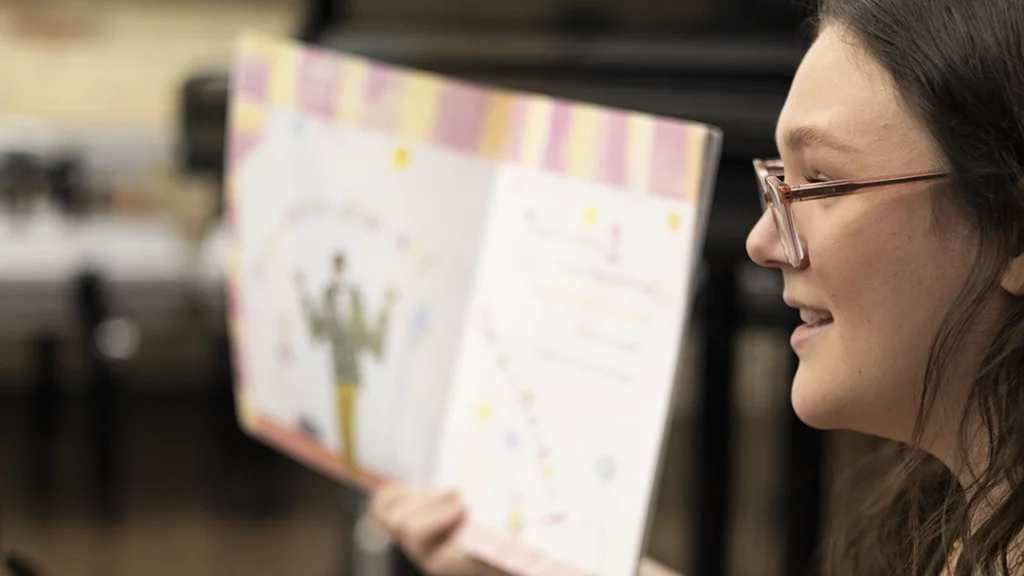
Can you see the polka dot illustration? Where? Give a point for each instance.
(485, 412)
(515, 522)
(674, 221)
(400, 158)
(590, 216)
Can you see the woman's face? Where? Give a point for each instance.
(882, 268)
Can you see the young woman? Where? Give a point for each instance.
(896, 216)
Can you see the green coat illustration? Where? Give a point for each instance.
(347, 333)
(340, 321)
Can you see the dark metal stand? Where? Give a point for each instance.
(354, 558)
(714, 419)
(320, 16)
(46, 362)
(94, 310)
(351, 505)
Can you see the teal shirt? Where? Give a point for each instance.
(346, 334)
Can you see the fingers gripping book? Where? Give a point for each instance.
(436, 282)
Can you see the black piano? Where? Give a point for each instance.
(725, 62)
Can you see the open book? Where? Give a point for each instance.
(437, 282)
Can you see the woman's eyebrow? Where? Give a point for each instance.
(802, 137)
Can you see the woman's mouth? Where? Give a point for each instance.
(815, 322)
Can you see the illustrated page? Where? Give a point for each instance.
(354, 242)
(565, 371)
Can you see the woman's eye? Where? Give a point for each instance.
(799, 179)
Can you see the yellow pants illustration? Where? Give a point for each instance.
(347, 393)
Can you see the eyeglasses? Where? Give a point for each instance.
(778, 197)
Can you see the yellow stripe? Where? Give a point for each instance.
(355, 73)
(496, 125)
(249, 412)
(640, 136)
(234, 268)
(246, 117)
(233, 191)
(696, 147)
(283, 77)
(238, 329)
(538, 125)
(584, 137)
(244, 408)
(420, 102)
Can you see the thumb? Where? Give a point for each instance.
(431, 527)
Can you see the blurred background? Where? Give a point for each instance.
(119, 452)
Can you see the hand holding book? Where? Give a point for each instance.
(425, 522)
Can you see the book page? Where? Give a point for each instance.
(353, 237)
(565, 371)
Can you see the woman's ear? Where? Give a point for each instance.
(1013, 278)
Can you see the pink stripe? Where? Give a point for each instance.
(382, 85)
(240, 146)
(252, 78)
(319, 77)
(613, 149)
(517, 129)
(462, 115)
(668, 163)
(380, 79)
(554, 157)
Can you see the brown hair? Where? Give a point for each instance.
(959, 66)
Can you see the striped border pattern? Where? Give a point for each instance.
(627, 150)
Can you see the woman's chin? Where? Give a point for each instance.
(815, 406)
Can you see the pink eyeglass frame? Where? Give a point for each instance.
(779, 197)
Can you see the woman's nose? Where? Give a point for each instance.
(763, 244)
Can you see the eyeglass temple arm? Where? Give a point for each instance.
(831, 190)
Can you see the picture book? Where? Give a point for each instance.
(437, 282)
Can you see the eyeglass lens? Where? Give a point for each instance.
(770, 200)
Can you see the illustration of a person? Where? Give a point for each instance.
(340, 321)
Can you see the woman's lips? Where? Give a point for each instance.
(809, 331)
